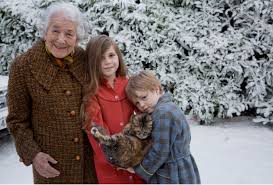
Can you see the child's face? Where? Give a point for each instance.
(146, 100)
(109, 63)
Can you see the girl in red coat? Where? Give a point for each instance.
(106, 104)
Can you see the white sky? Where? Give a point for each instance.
(234, 151)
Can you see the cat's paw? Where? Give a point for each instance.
(94, 131)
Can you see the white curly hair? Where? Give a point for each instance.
(71, 12)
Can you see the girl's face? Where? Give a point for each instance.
(61, 37)
(109, 64)
(146, 100)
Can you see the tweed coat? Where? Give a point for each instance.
(44, 106)
(169, 161)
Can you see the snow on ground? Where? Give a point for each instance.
(11, 170)
(235, 151)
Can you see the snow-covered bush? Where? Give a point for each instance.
(18, 30)
(214, 56)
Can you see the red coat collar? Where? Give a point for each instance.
(108, 93)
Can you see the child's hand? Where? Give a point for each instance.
(130, 169)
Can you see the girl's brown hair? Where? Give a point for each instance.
(95, 49)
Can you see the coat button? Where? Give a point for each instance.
(72, 113)
(76, 139)
(116, 97)
(68, 93)
(121, 123)
(77, 157)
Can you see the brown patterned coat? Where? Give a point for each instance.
(44, 107)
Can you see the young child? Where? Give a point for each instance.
(106, 104)
(169, 160)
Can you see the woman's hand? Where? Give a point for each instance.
(41, 163)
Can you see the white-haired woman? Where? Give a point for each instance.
(44, 98)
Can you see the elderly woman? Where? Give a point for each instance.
(44, 98)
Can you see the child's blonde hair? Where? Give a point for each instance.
(143, 81)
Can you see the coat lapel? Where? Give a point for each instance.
(77, 67)
(43, 70)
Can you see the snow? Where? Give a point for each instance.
(3, 108)
(3, 82)
(232, 151)
(11, 170)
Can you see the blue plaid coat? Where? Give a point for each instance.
(169, 160)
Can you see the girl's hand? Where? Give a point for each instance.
(131, 170)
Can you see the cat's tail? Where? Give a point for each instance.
(100, 137)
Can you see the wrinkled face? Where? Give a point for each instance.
(109, 63)
(61, 37)
(146, 100)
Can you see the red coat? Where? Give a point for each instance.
(111, 109)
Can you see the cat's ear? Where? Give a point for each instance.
(147, 117)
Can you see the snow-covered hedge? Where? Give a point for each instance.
(214, 56)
